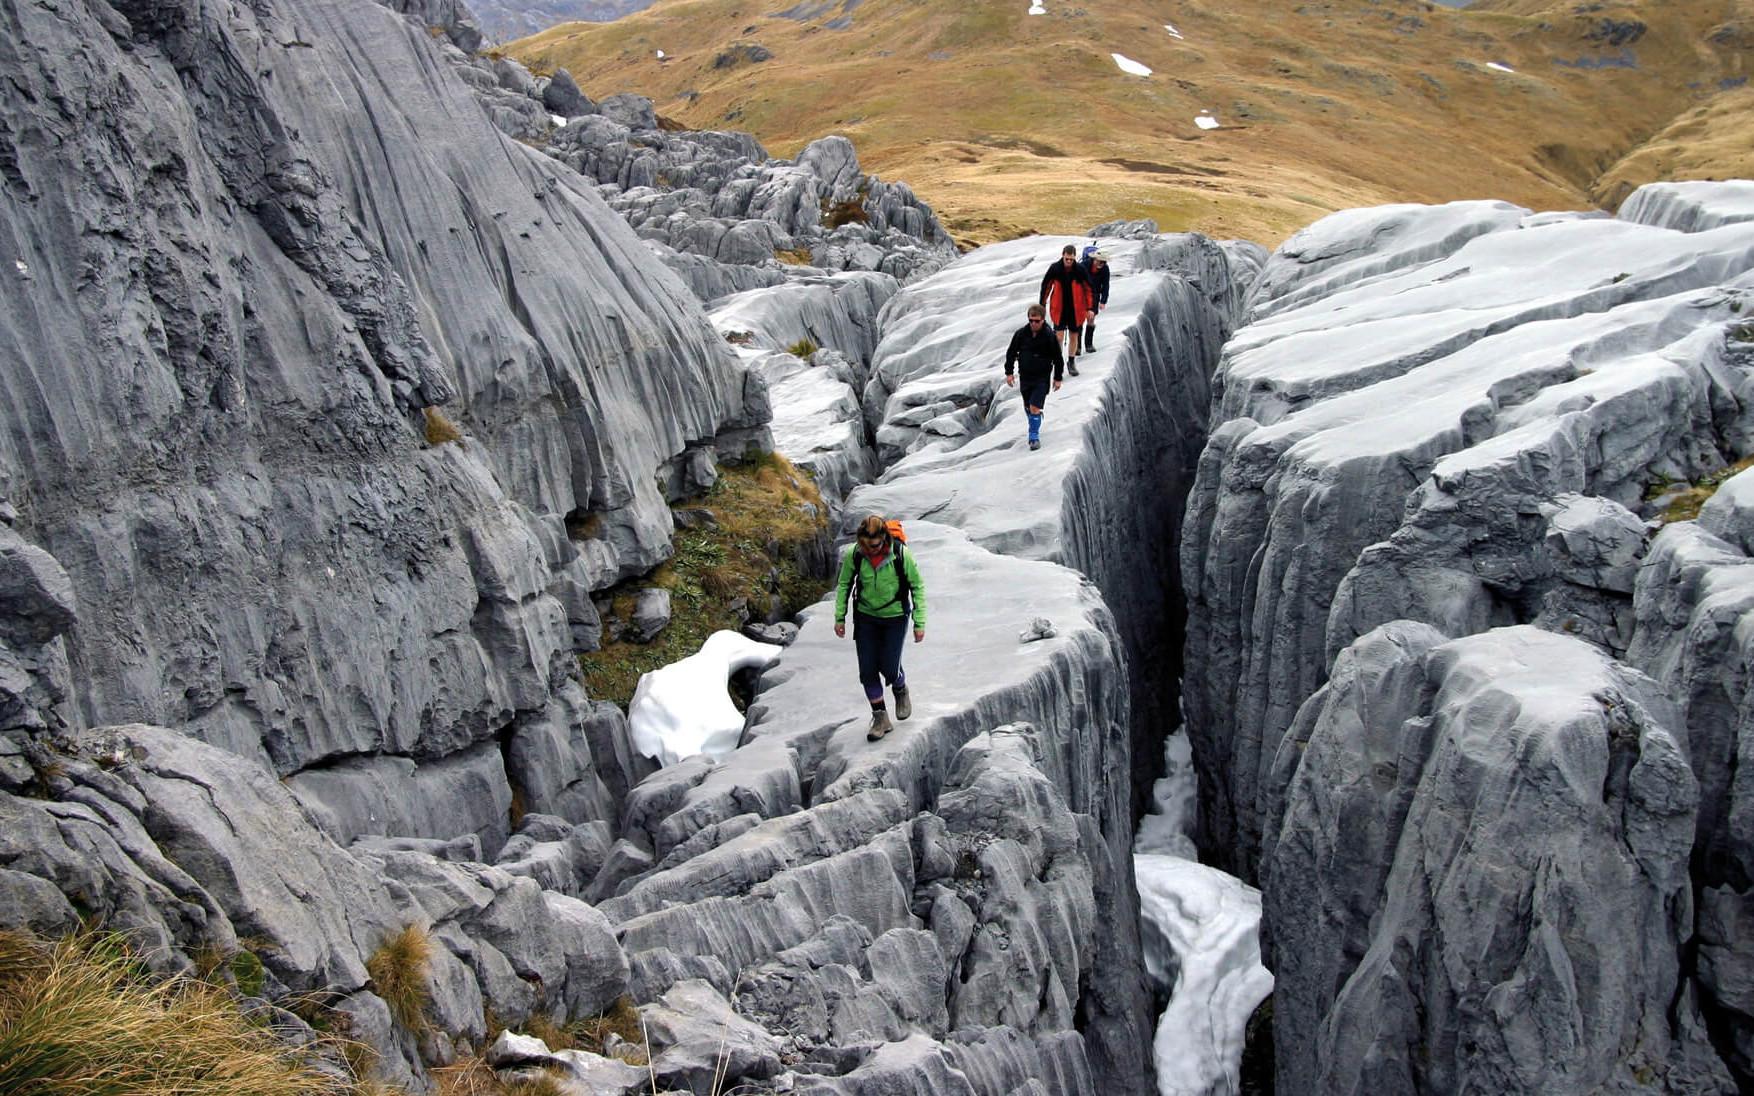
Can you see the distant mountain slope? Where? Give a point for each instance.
(504, 20)
(1008, 122)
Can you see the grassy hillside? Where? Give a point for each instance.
(1009, 123)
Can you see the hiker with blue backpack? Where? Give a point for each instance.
(1095, 265)
(880, 582)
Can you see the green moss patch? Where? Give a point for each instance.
(1686, 504)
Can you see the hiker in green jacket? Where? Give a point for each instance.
(878, 576)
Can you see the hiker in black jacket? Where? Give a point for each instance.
(1065, 291)
(1095, 267)
(1033, 350)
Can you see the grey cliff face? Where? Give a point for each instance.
(1424, 571)
(239, 307)
(1480, 877)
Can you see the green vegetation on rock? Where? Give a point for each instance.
(765, 515)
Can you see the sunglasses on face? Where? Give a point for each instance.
(1035, 319)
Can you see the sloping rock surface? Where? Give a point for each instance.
(1406, 430)
(960, 893)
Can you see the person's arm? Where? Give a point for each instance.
(1012, 351)
(917, 587)
(1102, 292)
(1059, 358)
(844, 586)
(1046, 279)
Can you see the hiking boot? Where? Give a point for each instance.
(880, 725)
(1072, 366)
(904, 707)
(1034, 445)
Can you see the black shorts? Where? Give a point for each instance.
(1034, 393)
(1067, 318)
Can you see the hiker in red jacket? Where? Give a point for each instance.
(1065, 293)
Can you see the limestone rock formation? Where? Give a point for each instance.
(266, 553)
(1480, 878)
(1405, 430)
(1419, 557)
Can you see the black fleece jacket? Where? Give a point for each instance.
(1033, 351)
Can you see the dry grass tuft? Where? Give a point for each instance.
(399, 970)
(797, 256)
(474, 1077)
(850, 211)
(80, 1017)
(803, 348)
(440, 430)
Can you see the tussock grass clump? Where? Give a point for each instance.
(850, 211)
(765, 512)
(440, 430)
(803, 348)
(399, 971)
(474, 1077)
(81, 1017)
(797, 256)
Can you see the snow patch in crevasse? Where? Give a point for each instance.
(1130, 66)
(683, 709)
(1205, 923)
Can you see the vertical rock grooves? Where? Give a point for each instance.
(1435, 546)
(244, 246)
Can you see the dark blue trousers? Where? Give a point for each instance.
(879, 640)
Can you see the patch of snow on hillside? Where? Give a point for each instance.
(1130, 66)
(1496, 67)
(660, 55)
(1172, 31)
(1035, 8)
(1205, 120)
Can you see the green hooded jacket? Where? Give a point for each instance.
(879, 587)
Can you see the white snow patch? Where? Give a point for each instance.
(660, 55)
(1172, 31)
(1035, 8)
(22, 268)
(1496, 67)
(1130, 66)
(1205, 923)
(683, 709)
(1205, 120)
(557, 119)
